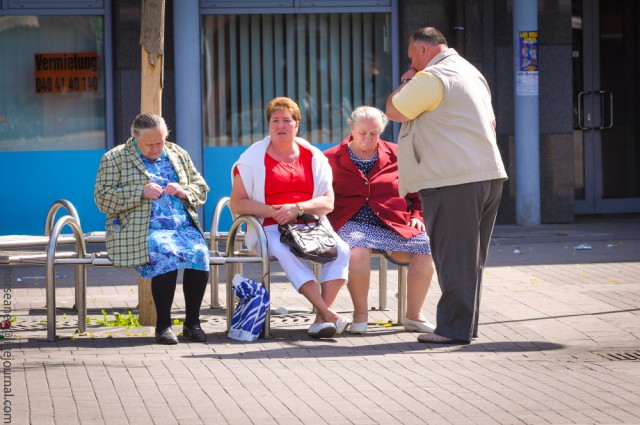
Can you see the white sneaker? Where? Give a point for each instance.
(358, 328)
(415, 326)
(322, 330)
(341, 324)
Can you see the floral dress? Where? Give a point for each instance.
(366, 229)
(174, 242)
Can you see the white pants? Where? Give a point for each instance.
(299, 271)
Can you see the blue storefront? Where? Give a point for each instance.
(56, 119)
(70, 87)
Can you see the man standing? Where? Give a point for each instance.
(447, 152)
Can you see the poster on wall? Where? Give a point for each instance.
(66, 72)
(527, 73)
(528, 50)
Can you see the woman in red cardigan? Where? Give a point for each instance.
(369, 213)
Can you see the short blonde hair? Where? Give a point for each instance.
(283, 104)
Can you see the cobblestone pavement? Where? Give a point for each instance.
(559, 343)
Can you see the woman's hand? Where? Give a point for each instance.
(152, 191)
(286, 213)
(414, 222)
(176, 190)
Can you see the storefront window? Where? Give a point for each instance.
(328, 63)
(52, 82)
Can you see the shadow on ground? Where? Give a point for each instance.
(288, 344)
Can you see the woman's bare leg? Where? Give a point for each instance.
(359, 280)
(419, 274)
(312, 293)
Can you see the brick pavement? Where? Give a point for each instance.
(559, 343)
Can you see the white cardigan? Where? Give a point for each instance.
(252, 170)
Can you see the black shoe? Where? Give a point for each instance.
(194, 333)
(166, 337)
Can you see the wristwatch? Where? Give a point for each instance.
(300, 209)
(405, 80)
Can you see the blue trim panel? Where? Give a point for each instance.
(35, 180)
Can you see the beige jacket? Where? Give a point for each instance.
(455, 143)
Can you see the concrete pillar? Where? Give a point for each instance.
(527, 129)
(186, 29)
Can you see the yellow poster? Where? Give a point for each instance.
(528, 50)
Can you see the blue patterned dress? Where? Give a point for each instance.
(366, 229)
(174, 242)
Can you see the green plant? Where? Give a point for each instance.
(127, 321)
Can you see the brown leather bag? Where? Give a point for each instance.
(310, 242)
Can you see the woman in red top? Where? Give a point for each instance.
(277, 180)
(370, 214)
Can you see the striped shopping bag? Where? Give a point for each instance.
(251, 310)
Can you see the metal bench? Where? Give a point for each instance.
(80, 259)
(237, 237)
(232, 259)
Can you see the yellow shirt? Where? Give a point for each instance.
(449, 138)
(422, 94)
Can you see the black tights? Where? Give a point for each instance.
(163, 287)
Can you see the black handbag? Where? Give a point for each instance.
(314, 243)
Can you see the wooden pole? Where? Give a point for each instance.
(152, 83)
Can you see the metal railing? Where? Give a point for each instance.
(80, 259)
(80, 263)
(231, 267)
(233, 259)
(217, 236)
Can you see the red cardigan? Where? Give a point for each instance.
(352, 189)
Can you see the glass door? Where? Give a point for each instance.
(606, 43)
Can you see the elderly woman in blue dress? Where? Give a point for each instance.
(150, 189)
(370, 214)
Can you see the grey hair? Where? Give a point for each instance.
(366, 112)
(428, 35)
(148, 121)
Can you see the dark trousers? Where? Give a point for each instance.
(459, 221)
(163, 287)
